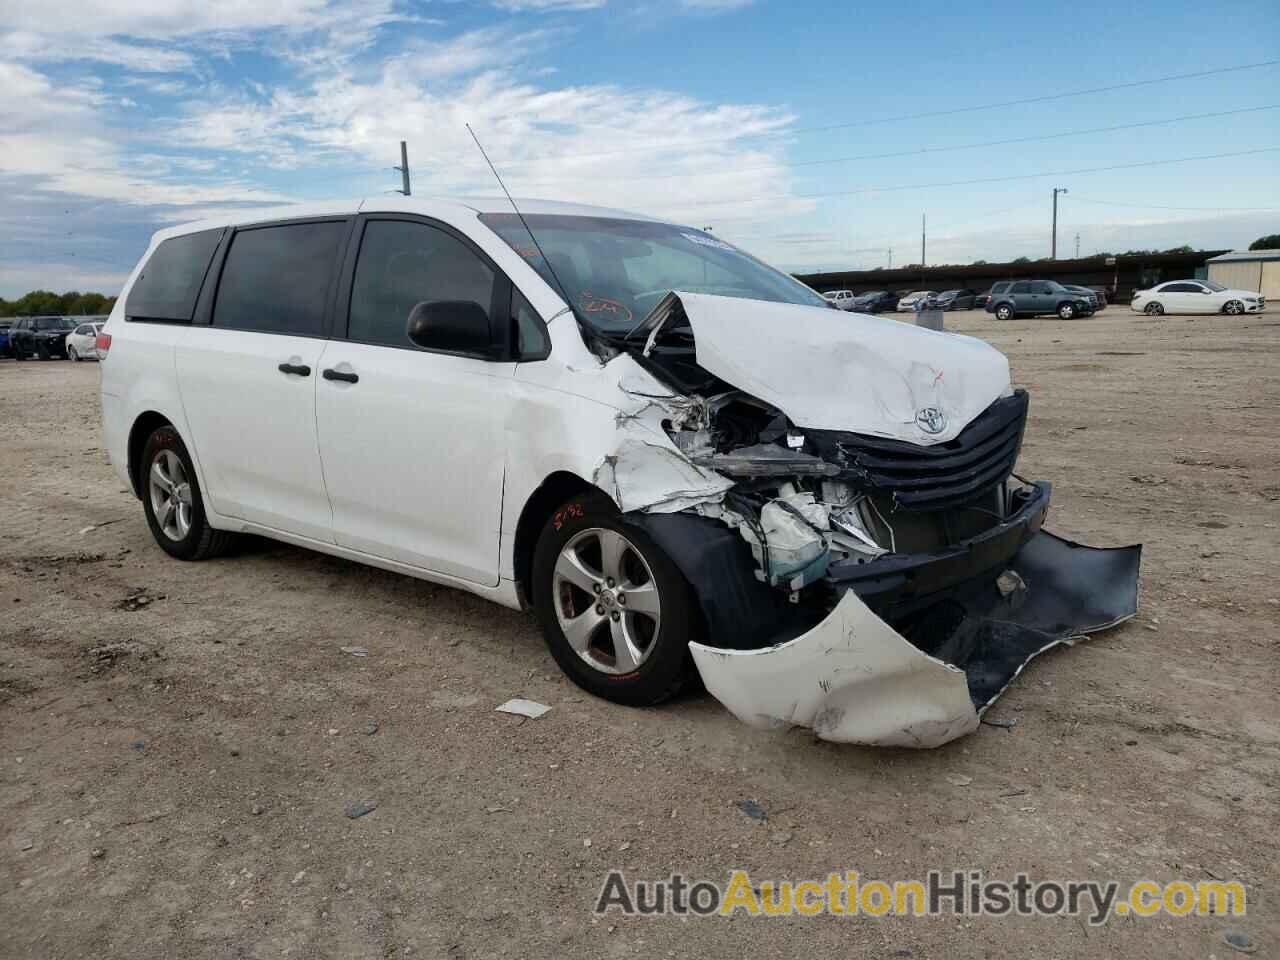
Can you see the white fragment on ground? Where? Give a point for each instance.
(355, 651)
(959, 779)
(524, 708)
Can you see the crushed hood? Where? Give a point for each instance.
(831, 370)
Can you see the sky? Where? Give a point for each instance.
(814, 134)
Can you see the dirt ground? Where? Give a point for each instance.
(179, 742)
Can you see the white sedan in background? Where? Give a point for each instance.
(82, 342)
(908, 303)
(1196, 296)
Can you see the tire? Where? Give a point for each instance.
(72, 355)
(17, 354)
(657, 663)
(1233, 308)
(1153, 309)
(1066, 311)
(1004, 312)
(194, 540)
(42, 351)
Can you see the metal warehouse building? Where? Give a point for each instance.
(1248, 270)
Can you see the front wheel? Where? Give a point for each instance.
(42, 351)
(616, 612)
(1067, 311)
(1233, 308)
(1153, 309)
(1004, 312)
(72, 355)
(172, 501)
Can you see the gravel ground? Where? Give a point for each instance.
(179, 743)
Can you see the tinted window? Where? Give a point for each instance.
(403, 264)
(276, 279)
(531, 334)
(1181, 288)
(170, 281)
(1021, 287)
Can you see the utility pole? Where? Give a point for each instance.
(403, 168)
(922, 261)
(1053, 250)
(1077, 246)
(890, 258)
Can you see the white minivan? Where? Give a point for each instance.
(679, 457)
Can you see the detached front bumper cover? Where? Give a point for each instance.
(853, 678)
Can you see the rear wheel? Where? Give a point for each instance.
(1153, 309)
(42, 351)
(172, 501)
(1233, 307)
(616, 612)
(72, 355)
(1067, 311)
(1004, 312)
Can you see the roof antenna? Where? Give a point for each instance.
(537, 246)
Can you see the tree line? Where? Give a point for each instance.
(43, 303)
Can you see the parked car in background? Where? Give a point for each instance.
(43, 337)
(908, 303)
(981, 300)
(1030, 298)
(840, 299)
(954, 300)
(877, 301)
(4, 337)
(82, 342)
(1196, 296)
(1096, 300)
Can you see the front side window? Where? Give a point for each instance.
(614, 271)
(170, 281)
(403, 264)
(276, 279)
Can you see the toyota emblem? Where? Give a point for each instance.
(931, 420)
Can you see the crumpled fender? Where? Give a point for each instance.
(852, 679)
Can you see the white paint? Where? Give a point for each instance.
(852, 679)
(828, 370)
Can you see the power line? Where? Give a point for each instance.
(919, 151)
(1043, 98)
(964, 183)
(1154, 206)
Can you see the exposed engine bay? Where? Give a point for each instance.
(881, 585)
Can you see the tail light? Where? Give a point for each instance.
(103, 343)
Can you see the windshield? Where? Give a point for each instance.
(54, 323)
(615, 271)
(1215, 287)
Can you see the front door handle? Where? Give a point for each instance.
(332, 374)
(298, 369)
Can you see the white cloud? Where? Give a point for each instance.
(571, 142)
(58, 138)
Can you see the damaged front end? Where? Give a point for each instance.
(867, 562)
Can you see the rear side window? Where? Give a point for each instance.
(403, 264)
(1021, 287)
(170, 281)
(276, 279)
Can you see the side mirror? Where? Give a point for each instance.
(455, 326)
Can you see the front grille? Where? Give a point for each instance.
(937, 477)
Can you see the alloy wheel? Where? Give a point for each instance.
(170, 495)
(606, 601)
